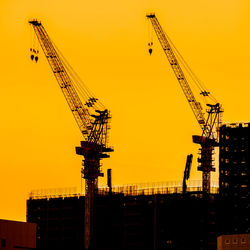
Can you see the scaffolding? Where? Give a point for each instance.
(126, 190)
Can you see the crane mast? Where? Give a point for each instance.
(209, 138)
(92, 122)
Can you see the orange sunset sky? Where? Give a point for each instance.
(106, 43)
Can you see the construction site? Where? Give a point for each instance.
(181, 215)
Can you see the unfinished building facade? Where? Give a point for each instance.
(234, 177)
(127, 221)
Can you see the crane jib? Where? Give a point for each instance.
(194, 104)
(84, 114)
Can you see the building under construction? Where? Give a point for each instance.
(159, 217)
(128, 218)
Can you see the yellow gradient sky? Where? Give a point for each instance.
(106, 43)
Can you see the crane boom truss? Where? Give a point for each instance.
(195, 105)
(81, 114)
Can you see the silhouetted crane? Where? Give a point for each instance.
(91, 117)
(209, 125)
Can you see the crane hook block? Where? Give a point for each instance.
(32, 57)
(150, 51)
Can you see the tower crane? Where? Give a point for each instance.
(209, 123)
(91, 117)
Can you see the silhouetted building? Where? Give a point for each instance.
(17, 235)
(235, 241)
(234, 177)
(158, 220)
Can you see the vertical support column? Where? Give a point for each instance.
(91, 171)
(206, 166)
(206, 179)
(88, 218)
(109, 180)
(206, 159)
(155, 223)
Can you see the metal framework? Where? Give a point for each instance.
(187, 172)
(209, 138)
(92, 122)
